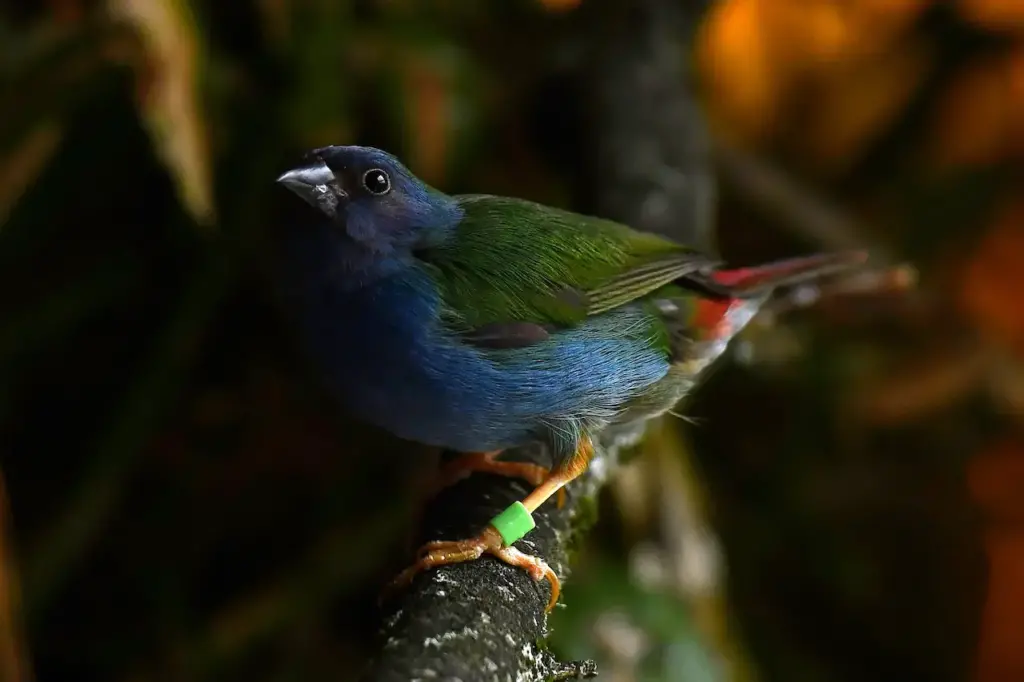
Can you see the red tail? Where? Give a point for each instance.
(749, 288)
(743, 282)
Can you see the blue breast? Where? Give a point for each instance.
(382, 350)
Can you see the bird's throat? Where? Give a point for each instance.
(325, 254)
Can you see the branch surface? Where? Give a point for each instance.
(484, 620)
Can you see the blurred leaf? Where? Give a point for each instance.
(858, 100)
(994, 279)
(994, 14)
(440, 94)
(822, 33)
(625, 627)
(168, 91)
(67, 11)
(276, 21)
(755, 53)
(979, 119)
(946, 210)
(428, 115)
(740, 68)
(1006, 384)
(49, 71)
(915, 390)
(1000, 655)
(13, 654)
(996, 479)
(850, 31)
(318, 106)
(560, 5)
(21, 167)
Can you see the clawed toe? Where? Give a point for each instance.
(446, 552)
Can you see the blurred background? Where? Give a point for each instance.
(844, 501)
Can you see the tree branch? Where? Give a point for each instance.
(484, 620)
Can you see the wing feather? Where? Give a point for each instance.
(511, 261)
(640, 280)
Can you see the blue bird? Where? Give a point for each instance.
(479, 323)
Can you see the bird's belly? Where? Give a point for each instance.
(384, 354)
(429, 403)
(378, 352)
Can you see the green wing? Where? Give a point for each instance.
(513, 261)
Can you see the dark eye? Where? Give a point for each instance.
(376, 181)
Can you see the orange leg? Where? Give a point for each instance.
(443, 552)
(487, 462)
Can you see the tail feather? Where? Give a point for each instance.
(757, 280)
(733, 297)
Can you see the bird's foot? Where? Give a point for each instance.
(487, 463)
(445, 552)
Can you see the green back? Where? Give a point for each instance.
(515, 260)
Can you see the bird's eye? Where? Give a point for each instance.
(376, 181)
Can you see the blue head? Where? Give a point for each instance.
(379, 212)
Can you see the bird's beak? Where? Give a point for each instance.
(311, 183)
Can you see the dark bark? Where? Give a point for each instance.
(484, 620)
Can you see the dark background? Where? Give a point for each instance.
(184, 503)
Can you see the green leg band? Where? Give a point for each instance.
(513, 523)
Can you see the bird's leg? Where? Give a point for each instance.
(556, 481)
(487, 463)
(496, 542)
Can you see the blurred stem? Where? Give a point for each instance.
(24, 164)
(14, 659)
(90, 507)
(797, 207)
(651, 142)
(694, 549)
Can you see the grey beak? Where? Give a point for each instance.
(310, 182)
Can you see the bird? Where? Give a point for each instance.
(477, 323)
